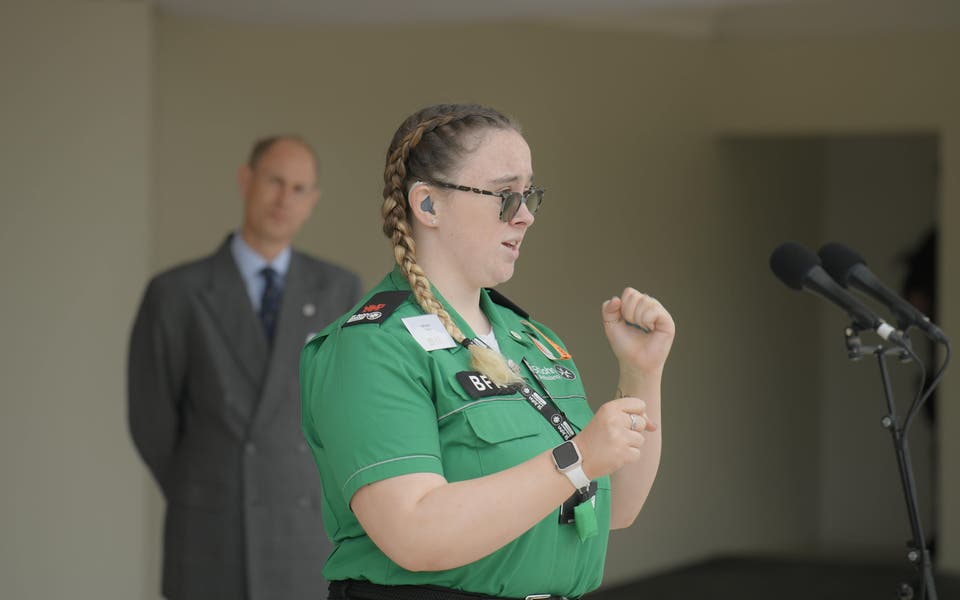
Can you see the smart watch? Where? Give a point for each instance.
(569, 462)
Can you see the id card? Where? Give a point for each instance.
(429, 332)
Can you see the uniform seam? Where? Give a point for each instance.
(383, 462)
(466, 406)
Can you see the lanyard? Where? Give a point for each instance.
(579, 508)
(547, 408)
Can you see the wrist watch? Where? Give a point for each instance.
(569, 462)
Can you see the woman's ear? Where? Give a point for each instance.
(422, 206)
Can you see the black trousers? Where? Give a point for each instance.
(364, 590)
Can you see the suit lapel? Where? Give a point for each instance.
(304, 298)
(227, 302)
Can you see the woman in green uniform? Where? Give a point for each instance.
(458, 455)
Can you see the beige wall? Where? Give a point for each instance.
(950, 299)
(74, 117)
(880, 197)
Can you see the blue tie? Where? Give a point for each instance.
(270, 303)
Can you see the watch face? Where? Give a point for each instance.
(566, 455)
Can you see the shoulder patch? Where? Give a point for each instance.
(377, 308)
(502, 300)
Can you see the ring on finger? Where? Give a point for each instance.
(633, 422)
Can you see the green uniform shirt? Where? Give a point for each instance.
(377, 405)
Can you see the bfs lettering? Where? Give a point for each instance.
(482, 383)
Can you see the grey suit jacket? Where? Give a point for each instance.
(215, 416)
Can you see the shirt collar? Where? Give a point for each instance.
(250, 262)
(508, 323)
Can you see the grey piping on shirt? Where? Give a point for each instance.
(383, 462)
(569, 397)
(508, 398)
(468, 405)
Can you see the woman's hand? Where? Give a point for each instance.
(640, 331)
(614, 436)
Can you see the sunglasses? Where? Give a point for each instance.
(509, 201)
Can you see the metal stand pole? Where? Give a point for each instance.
(917, 552)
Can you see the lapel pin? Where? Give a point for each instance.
(515, 335)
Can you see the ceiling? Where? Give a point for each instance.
(696, 17)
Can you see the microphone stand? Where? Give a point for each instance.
(917, 552)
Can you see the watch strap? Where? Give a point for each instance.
(577, 477)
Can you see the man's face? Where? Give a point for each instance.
(279, 193)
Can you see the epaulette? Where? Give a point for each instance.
(502, 300)
(378, 307)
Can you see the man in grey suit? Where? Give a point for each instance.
(214, 400)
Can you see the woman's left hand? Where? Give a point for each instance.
(639, 329)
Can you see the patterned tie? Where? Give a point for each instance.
(270, 303)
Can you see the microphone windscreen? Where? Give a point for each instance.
(791, 262)
(838, 260)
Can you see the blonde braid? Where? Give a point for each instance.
(396, 227)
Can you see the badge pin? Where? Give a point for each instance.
(309, 310)
(543, 349)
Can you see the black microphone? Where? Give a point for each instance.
(799, 268)
(849, 268)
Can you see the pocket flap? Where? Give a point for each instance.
(499, 421)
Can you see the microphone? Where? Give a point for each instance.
(849, 268)
(799, 268)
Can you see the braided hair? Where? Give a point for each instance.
(428, 145)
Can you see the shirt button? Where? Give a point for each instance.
(304, 502)
(302, 447)
(250, 448)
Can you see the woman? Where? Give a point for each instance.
(457, 451)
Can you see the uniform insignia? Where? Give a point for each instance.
(552, 373)
(478, 385)
(378, 307)
(542, 348)
(563, 354)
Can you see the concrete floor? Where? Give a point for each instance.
(773, 579)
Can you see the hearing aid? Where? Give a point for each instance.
(427, 205)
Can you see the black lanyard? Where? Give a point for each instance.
(547, 408)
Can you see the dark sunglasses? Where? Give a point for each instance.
(509, 201)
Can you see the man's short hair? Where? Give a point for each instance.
(261, 146)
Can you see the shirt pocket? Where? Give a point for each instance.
(577, 411)
(504, 433)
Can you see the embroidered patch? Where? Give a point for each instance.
(553, 373)
(378, 308)
(478, 385)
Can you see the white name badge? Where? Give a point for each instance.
(429, 332)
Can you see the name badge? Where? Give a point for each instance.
(429, 332)
(477, 385)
